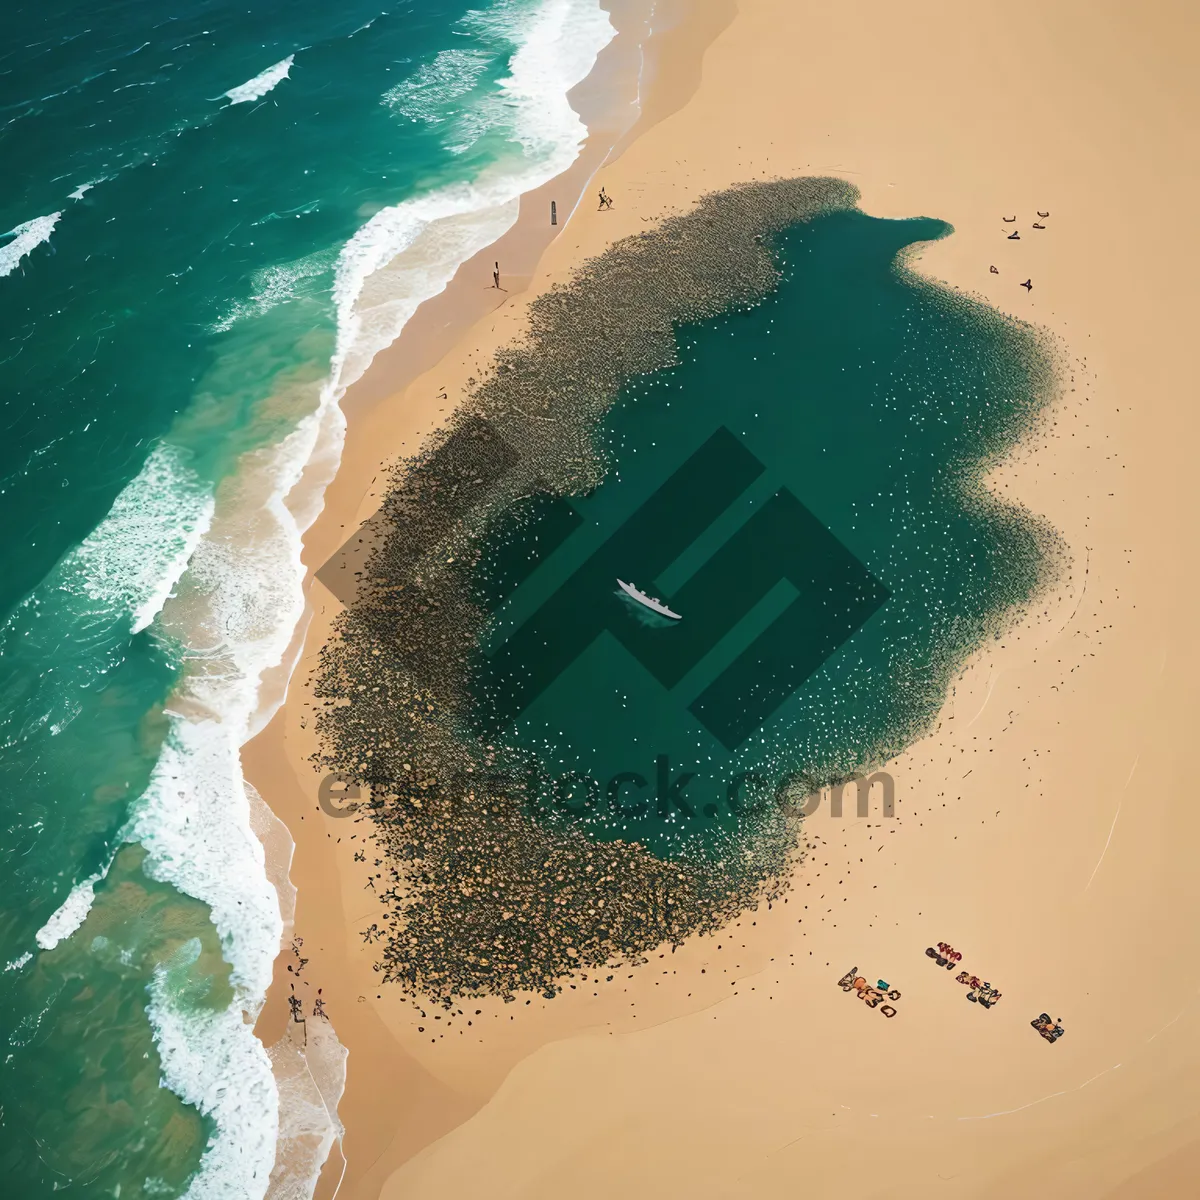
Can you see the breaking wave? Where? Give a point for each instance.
(224, 589)
(428, 95)
(408, 252)
(261, 84)
(276, 285)
(25, 238)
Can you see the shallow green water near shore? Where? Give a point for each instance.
(802, 488)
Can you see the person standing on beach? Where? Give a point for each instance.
(496, 277)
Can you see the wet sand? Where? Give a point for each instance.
(1045, 829)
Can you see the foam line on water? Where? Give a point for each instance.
(426, 95)
(107, 587)
(72, 913)
(140, 550)
(261, 84)
(557, 51)
(275, 285)
(212, 1060)
(232, 615)
(25, 237)
(195, 825)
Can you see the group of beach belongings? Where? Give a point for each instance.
(1050, 1030)
(872, 997)
(982, 992)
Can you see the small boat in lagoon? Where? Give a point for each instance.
(654, 605)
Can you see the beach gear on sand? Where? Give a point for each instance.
(1050, 1030)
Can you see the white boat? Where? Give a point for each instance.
(654, 605)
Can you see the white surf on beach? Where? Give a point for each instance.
(111, 584)
(408, 253)
(261, 84)
(224, 588)
(25, 237)
(211, 1059)
(309, 1069)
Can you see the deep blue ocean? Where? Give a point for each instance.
(216, 214)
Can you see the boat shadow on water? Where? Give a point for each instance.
(643, 615)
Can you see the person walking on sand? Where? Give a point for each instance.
(496, 276)
(605, 200)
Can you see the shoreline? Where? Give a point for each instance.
(604, 101)
(1009, 823)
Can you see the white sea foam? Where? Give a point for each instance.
(555, 49)
(234, 611)
(408, 253)
(18, 963)
(198, 838)
(82, 190)
(558, 49)
(111, 584)
(138, 552)
(71, 913)
(261, 84)
(24, 238)
(211, 1059)
(276, 285)
(429, 92)
(236, 606)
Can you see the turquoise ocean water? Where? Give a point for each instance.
(200, 198)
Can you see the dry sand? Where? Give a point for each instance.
(1046, 828)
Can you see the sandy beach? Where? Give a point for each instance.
(1044, 828)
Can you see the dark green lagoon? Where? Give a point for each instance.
(803, 489)
(759, 415)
